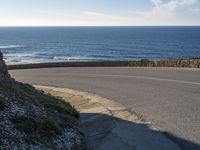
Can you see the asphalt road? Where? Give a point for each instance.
(169, 97)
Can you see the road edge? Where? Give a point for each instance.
(91, 103)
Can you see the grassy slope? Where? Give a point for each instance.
(42, 117)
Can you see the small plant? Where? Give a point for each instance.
(25, 124)
(47, 127)
(43, 127)
(58, 104)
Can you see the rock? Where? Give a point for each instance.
(4, 75)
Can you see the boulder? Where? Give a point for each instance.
(4, 75)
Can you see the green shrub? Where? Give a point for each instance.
(47, 127)
(43, 127)
(25, 124)
(58, 104)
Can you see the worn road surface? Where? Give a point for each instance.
(168, 97)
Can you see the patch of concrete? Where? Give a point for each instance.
(108, 125)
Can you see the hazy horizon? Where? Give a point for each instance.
(100, 13)
(104, 26)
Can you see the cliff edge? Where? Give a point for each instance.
(31, 119)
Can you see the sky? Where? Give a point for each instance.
(99, 12)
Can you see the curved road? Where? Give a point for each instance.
(169, 97)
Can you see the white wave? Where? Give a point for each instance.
(60, 58)
(18, 55)
(36, 57)
(66, 58)
(10, 46)
(22, 58)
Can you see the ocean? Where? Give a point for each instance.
(21, 45)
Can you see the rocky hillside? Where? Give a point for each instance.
(31, 119)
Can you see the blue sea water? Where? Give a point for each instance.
(50, 44)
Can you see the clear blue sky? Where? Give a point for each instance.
(99, 12)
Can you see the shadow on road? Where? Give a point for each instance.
(109, 133)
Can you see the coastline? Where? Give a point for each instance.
(179, 63)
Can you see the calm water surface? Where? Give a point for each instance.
(50, 44)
